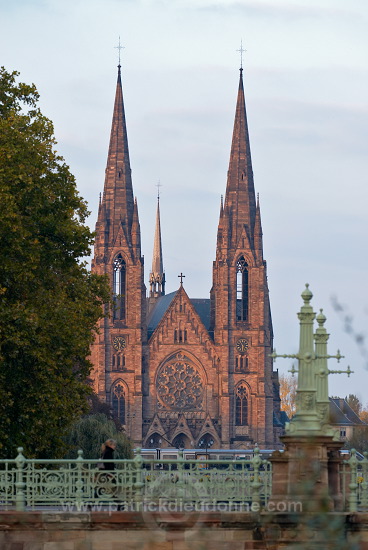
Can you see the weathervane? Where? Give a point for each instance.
(241, 50)
(119, 47)
(158, 185)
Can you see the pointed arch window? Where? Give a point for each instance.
(242, 290)
(119, 288)
(118, 402)
(241, 406)
(241, 363)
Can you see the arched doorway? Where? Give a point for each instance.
(181, 441)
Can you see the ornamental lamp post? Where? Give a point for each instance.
(312, 388)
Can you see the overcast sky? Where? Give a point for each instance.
(306, 86)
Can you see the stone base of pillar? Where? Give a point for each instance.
(307, 471)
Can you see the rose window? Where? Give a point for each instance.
(179, 384)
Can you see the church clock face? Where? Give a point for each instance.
(242, 345)
(118, 343)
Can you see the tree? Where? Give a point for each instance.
(88, 434)
(288, 386)
(364, 415)
(359, 439)
(354, 402)
(49, 302)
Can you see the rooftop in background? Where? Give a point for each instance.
(342, 414)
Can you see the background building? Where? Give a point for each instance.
(343, 418)
(178, 371)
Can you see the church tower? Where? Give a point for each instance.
(180, 371)
(117, 353)
(240, 310)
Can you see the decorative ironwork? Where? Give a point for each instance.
(135, 484)
(179, 384)
(142, 483)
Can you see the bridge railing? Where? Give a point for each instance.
(142, 483)
(354, 483)
(134, 484)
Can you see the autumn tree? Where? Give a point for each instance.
(49, 302)
(288, 386)
(364, 414)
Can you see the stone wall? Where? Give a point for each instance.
(173, 531)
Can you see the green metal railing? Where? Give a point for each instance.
(354, 482)
(140, 483)
(134, 484)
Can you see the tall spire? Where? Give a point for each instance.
(118, 191)
(157, 275)
(258, 241)
(240, 195)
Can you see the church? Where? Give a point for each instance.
(182, 372)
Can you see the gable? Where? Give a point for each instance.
(180, 322)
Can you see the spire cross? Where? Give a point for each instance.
(119, 47)
(158, 185)
(181, 278)
(241, 50)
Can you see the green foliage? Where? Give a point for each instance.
(49, 302)
(91, 431)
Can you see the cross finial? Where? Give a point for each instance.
(181, 279)
(158, 185)
(119, 47)
(241, 50)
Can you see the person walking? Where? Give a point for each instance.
(107, 453)
(107, 482)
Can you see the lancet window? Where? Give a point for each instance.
(119, 288)
(180, 335)
(242, 290)
(241, 406)
(118, 401)
(241, 363)
(118, 362)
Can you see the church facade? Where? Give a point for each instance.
(181, 372)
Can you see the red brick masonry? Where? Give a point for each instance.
(165, 531)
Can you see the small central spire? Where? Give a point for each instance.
(157, 275)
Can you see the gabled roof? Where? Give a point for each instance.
(342, 414)
(201, 305)
(203, 308)
(158, 311)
